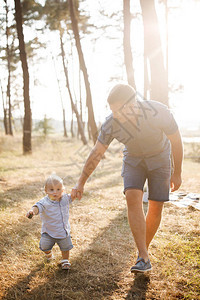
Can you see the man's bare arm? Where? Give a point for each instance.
(177, 152)
(91, 163)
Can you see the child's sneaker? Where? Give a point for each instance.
(65, 264)
(49, 256)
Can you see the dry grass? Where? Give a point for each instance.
(103, 246)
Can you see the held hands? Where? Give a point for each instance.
(175, 182)
(77, 192)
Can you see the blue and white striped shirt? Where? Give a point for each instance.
(55, 216)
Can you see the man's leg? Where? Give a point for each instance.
(137, 221)
(153, 219)
(159, 185)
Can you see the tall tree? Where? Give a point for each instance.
(91, 119)
(80, 125)
(8, 55)
(167, 50)
(56, 13)
(128, 58)
(59, 88)
(153, 54)
(4, 111)
(27, 147)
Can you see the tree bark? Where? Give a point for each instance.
(64, 124)
(72, 125)
(146, 78)
(153, 52)
(5, 121)
(91, 119)
(9, 128)
(167, 40)
(27, 148)
(80, 98)
(63, 110)
(128, 58)
(74, 108)
(4, 111)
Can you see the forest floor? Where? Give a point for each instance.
(104, 250)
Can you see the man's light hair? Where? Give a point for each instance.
(121, 93)
(53, 179)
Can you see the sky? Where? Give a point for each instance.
(184, 49)
(104, 57)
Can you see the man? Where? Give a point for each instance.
(149, 132)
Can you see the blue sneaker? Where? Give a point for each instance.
(141, 266)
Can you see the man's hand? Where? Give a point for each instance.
(177, 152)
(175, 182)
(77, 192)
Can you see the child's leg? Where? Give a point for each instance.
(46, 244)
(65, 254)
(65, 264)
(65, 245)
(49, 255)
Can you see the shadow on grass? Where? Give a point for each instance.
(95, 273)
(19, 193)
(102, 170)
(24, 192)
(139, 287)
(23, 285)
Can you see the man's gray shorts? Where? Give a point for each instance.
(47, 242)
(158, 179)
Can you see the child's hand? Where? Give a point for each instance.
(77, 192)
(72, 197)
(30, 214)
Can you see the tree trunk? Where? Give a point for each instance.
(9, 129)
(74, 108)
(167, 40)
(146, 78)
(80, 101)
(153, 52)
(72, 125)
(91, 118)
(63, 110)
(128, 58)
(27, 148)
(89, 131)
(64, 124)
(4, 111)
(5, 121)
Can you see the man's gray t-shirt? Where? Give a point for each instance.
(55, 216)
(146, 139)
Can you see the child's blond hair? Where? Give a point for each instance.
(53, 179)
